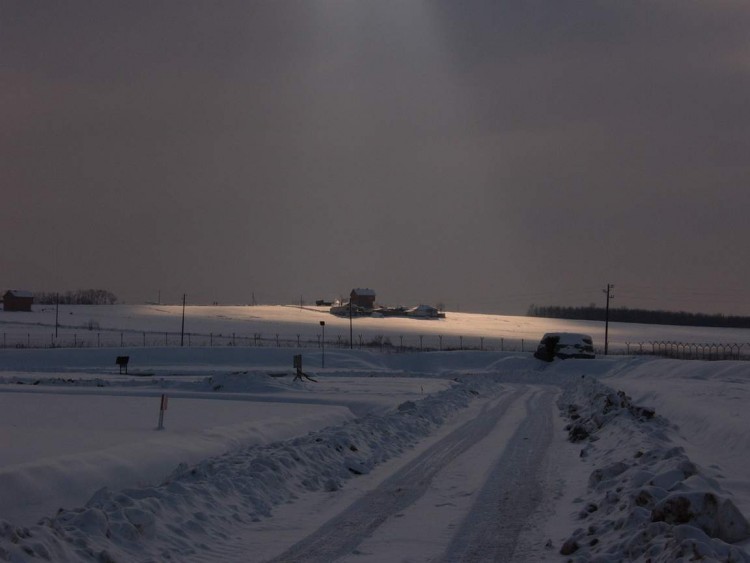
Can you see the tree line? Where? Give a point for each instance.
(77, 297)
(643, 316)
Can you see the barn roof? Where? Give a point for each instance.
(19, 293)
(364, 291)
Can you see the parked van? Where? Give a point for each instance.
(564, 345)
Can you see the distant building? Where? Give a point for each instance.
(363, 297)
(425, 312)
(17, 300)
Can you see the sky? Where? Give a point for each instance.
(483, 155)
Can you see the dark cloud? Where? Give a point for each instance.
(484, 154)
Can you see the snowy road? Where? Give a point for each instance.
(499, 451)
(511, 493)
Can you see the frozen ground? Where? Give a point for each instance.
(440, 456)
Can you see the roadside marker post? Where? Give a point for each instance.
(298, 367)
(162, 408)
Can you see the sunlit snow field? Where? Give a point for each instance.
(162, 325)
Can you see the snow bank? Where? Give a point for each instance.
(59, 448)
(194, 507)
(707, 404)
(646, 499)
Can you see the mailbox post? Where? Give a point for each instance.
(122, 362)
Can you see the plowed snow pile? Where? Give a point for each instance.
(645, 498)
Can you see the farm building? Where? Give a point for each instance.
(17, 300)
(424, 311)
(364, 298)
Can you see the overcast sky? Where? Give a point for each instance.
(485, 154)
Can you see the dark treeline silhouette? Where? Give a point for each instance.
(77, 297)
(643, 316)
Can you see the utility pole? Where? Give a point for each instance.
(351, 342)
(182, 332)
(608, 291)
(57, 312)
(323, 345)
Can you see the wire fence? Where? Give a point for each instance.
(690, 350)
(382, 342)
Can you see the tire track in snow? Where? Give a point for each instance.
(342, 534)
(511, 493)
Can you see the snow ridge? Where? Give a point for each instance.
(197, 505)
(646, 500)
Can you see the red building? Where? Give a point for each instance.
(17, 300)
(364, 298)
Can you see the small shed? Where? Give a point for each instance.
(17, 300)
(363, 297)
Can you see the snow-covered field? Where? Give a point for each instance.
(434, 456)
(161, 325)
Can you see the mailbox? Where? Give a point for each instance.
(122, 362)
